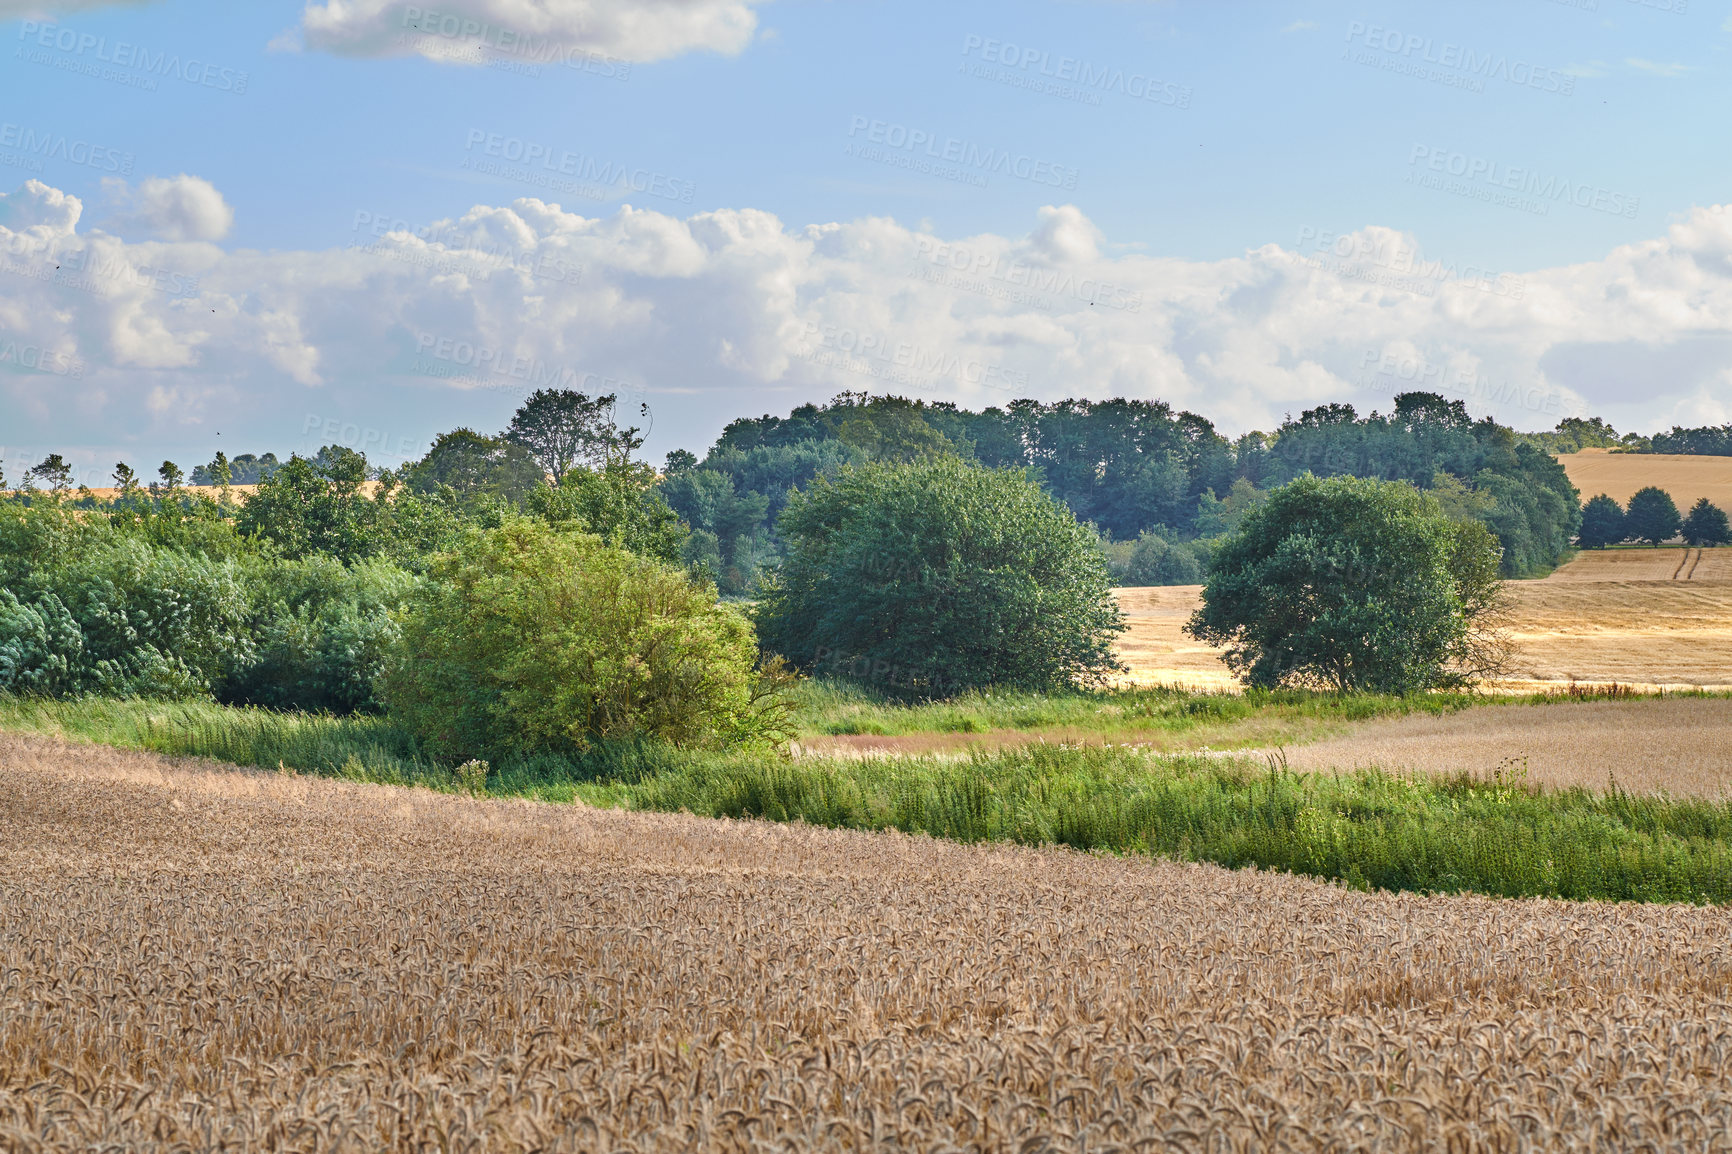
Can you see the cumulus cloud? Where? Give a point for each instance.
(732, 311)
(170, 208)
(475, 31)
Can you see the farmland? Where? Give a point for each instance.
(1682, 745)
(205, 957)
(1646, 617)
(1618, 475)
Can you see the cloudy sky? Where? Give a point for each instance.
(279, 224)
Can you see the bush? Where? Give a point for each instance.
(531, 640)
(938, 576)
(1354, 584)
(124, 619)
(324, 631)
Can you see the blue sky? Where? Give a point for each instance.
(1245, 209)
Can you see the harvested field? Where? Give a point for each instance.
(1680, 745)
(1154, 647)
(1619, 475)
(199, 958)
(1642, 617)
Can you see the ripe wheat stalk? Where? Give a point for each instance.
(194, 959)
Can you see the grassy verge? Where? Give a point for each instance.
(1158, 718)
(1366, 829)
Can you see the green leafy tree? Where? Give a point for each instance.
(1652, 516)
(893, 429)
(126, 479)
(473, 469)
(529, 639)
(939, 576)
(621, 502)
(53, 471)
(1153, 560)
(1356, 584)
(724, 522)
(561, 429)
(1602, 523)
(1706, 525)
(309, 507)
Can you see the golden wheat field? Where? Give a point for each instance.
(1644, 617)
(1620, 474)
(193, 959)
(1680, 745)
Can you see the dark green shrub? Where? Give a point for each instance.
(937, 576)
(1353, 584)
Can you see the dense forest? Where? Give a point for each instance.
(1136, 470)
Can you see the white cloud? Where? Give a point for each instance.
(170, 208)
(473, 31)
(733, 311)
(1669, 70)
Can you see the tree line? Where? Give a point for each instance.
(535, 594)
(1159, 485)
(1652, 516)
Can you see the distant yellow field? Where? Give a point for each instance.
(1645, 617)
(1619, 475)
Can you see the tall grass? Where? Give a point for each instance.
(1366, 829)
(832, 707)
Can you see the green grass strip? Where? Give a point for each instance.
(1366, 829)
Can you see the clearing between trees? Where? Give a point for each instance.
(204, 957)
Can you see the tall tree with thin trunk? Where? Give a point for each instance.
(561, 428)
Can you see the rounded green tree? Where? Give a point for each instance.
(1706, 524)
(1652, 517)
(929, 578)
(1354, 584)
(529, 639)
(1602, 523)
